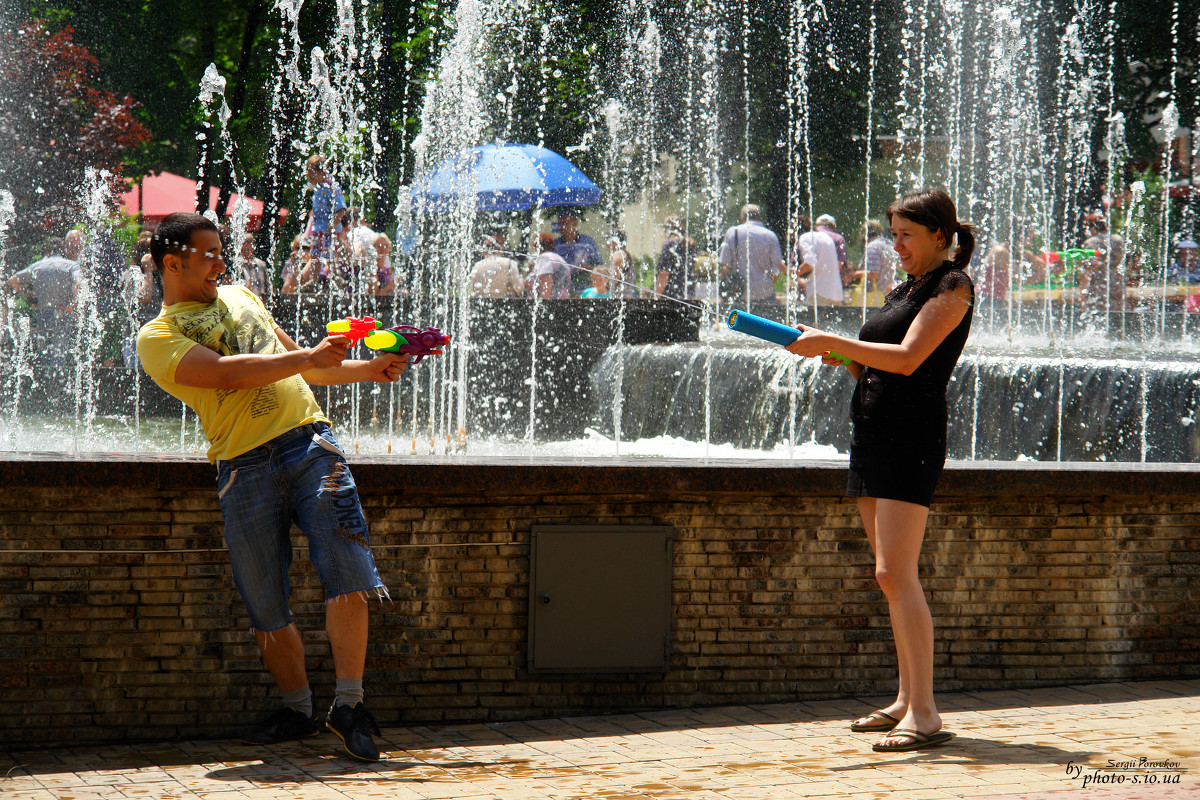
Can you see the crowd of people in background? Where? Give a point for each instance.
(339, 251)
(1100, 268)
(750, 263)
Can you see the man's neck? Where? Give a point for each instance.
(171, 297)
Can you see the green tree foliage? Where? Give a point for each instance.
(55, 124)
(568, 57)
(157, 51)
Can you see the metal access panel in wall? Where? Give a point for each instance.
(600, 598)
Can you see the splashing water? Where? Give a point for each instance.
(1000, 102)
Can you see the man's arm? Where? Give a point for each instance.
(207, 369)
(516, 286)
(806, 258)
(20, 281)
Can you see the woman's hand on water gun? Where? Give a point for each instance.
(809, 344)
(814, 343)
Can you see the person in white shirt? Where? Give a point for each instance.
(816, 255)
(258, 274)
(495, 275)
(551, 273)
(360, 235)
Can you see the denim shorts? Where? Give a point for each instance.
(300, 476)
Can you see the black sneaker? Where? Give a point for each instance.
(354, 725)
(286, 723)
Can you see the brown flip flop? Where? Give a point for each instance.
(915, 740)
(875, 721)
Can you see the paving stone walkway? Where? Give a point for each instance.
(1044, 743)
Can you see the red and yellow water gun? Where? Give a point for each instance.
(354, 328)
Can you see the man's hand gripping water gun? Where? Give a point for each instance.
(402, 339)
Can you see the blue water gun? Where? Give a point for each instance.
(777, 332)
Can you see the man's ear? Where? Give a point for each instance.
(172, 262)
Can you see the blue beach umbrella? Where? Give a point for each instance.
(504, 177)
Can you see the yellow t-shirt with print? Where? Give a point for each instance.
(239, 420)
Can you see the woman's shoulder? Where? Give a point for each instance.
(951, 279)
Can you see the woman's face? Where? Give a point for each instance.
(919, 248)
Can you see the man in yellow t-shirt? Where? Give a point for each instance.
(219, 351)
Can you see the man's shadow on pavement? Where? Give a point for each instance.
(283, 769)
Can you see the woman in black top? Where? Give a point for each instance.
(902, 362)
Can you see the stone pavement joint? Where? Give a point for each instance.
(1116, 741)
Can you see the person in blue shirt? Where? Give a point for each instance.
(577, 249)
(328, 207)
(1185, 269)
(599, 288)
(54, 282)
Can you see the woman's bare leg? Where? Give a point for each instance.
(899, 530)
(899, 707)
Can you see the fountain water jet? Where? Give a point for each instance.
(987, 129)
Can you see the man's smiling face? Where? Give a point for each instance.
(200, 268)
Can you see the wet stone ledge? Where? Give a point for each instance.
(457, 474)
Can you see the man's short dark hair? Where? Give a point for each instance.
(1096, 222)
(175, 233)
(54, 246)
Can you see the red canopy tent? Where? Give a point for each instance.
(165, 193)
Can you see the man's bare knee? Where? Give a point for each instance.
(352, 598)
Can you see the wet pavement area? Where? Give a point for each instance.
(1134, 741)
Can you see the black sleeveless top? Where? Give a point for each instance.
(904, 415)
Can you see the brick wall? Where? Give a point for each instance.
(118, 619)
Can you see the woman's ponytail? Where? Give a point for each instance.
(966, 244)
